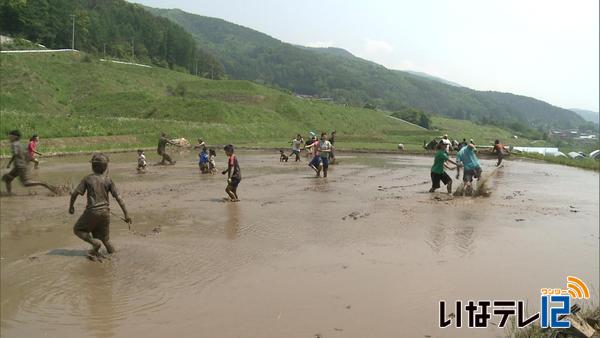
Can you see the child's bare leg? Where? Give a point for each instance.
(234, 191)
(230, 193)
(36, 163)
(7, 180)
(86, 236)
(42, 184)
(108, 245)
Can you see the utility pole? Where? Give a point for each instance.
(73, 35)
(196, 67)
(132, 50)
(104, 51)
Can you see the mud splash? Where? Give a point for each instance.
(365, 252)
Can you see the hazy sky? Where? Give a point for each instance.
(547, 49)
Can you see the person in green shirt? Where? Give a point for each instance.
(437, 170)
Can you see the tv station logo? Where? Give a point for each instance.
(555, 307)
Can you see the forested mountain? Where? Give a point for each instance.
(110, 27)
(588, 115)
(333, 72)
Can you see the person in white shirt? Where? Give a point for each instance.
(142, 164)
(296, 144)
(325, 149)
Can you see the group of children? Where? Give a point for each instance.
(322, 151)
(93, 225)
(465, 158)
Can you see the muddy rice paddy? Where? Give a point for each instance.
(367, 252)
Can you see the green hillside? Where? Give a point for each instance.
(111, 28)
(332, 72)
(77, 100)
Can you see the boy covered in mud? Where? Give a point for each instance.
(437, 170)
(162, 149)
(234, 174)
(93, 225)
(141, 162)
(499, 149)
(20, 168)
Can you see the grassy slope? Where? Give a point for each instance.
(61, 95)
(79, 104)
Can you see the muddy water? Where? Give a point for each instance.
(366, 252)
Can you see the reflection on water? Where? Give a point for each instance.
(232, 226)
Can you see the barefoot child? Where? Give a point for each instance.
(296, 144)
(20, 168)
(472, 169)
(325, 149)
(93, 225)
(162, 149)
(234, 174)
(212, 165)
(499, 149)
(203, 161)
(437, 170)
(141, 162)
(315, 163)
(282, 156)
(32, 150)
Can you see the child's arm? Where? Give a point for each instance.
(115, 193)
(11, 161)
(228, 170)
(37, 152)
(80, 190)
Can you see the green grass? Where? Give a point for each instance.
(585, 163)
(69, 99)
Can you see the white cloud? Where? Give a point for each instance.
(320, 44)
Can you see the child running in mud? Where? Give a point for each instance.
(141, 161)
(32, 150)
(499, 149)
(20, 168)
(93, 225)
(212, 165)
(325, 149)
(315, 163)
(162, 149)
(296, 144)
(437, 170)
(234, 174)
(472, 169)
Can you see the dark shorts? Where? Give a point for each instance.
(315, 161)
(436, 178)
(94, 221)
(468, 175)
(234, 182)
(325, 161)
(21, 173)
(295, 152)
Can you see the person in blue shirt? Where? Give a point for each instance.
(203, 161)
(467, 157)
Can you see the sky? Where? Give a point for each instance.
(547, 49)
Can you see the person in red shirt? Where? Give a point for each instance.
(32, 150)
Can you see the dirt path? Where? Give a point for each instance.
(365, 253)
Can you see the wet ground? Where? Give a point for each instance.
(366, 252)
